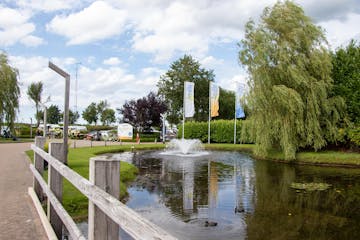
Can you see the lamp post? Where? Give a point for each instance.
(76, 87)
(45, 119)
(66, 105)
(30, 127)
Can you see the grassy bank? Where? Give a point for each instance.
(78, 160)
(18, 140)
(326, 158)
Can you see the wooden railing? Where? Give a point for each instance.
(106, 212)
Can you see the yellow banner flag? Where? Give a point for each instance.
(214, 99)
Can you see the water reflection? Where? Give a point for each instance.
(248, 199)
(181, 194)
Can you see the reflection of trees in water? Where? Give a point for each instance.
(281, 213)
(184, 189)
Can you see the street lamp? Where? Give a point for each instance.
(45, 115)
(45, 119)
(30, 127)
(66, 105)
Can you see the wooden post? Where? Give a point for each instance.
(104, 173)
(39, 165)
(55, 182)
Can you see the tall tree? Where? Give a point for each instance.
(9, 92)
(53, 114)
(73, 116)
(171, 87)
(90, 113)
(34, 93)
(108, 116)
(290, 70)
(143, 112)
(226, 104)
(346, 75)
(101, 106)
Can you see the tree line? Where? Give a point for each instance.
(301, 94)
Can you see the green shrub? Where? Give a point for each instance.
(354, 136)
(98, 128)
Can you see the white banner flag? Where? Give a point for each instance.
(189, 107)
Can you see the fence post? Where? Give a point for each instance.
(55, 182)
(39, 165)
(104, 173)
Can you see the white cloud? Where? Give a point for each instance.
(168, 27)
(46, 5)
(96, 22)
(113, 61)
(114, 84)
(165, 28)
(32, 41)
(14, 27)
(211, 62)
(340, 32)
(11, 18)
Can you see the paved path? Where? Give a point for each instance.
(18, 217)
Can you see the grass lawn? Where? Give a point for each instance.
(73, 200)
(19, 140)
(328, 158)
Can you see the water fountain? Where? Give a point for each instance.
(185, 147)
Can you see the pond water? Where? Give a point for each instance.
(247, 199)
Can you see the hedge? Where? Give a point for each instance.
(221, 131)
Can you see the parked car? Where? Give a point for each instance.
(108, 135)
(93, 135)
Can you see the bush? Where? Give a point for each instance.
(354, 136)
(98, 128)
(23, 130)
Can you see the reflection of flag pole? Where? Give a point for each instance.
(214, 93)
(239, 112)
(235, 120)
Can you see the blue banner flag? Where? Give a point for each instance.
(239, 111)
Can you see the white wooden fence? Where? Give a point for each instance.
(106, 212)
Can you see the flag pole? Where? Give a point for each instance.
(183, 122)
(209, 112)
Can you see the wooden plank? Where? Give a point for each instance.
(55, 182)
(104, 173)
(129, 220)
(43, 218)
(39, 165)
(69, 223)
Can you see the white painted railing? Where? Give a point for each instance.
(127, 219)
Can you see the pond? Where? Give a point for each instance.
(244, 198)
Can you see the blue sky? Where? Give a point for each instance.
(125, 45)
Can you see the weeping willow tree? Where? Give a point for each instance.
(289, 70)
(9, 93)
